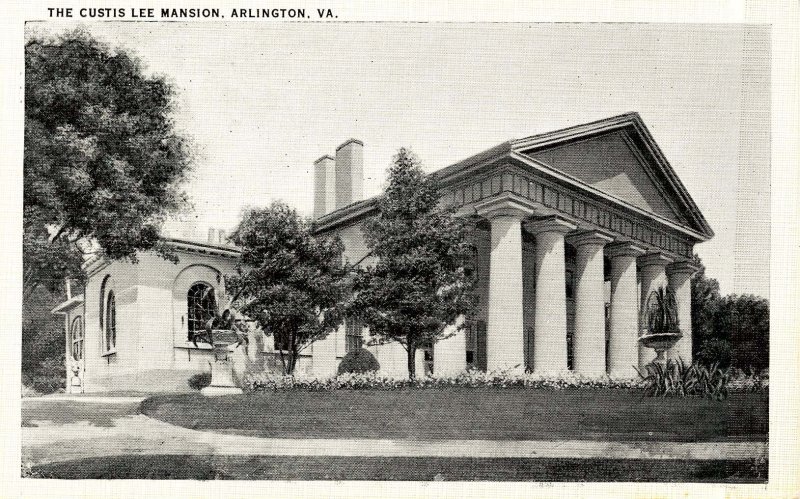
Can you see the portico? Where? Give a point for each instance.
(509, 216)
(575, 228)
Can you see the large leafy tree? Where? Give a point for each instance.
(290, 281)
(420, 283)
(743, 320)
(731, 330)
(705, 301)
(103, 163)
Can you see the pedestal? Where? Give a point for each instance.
(221, 380)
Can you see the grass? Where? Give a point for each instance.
(470, 413)
(64, 412)
(422, 469)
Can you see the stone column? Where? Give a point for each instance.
(653, 276)
(550, 321)
(505, 340)
(589, 340)
(623, 346)
(679, 276)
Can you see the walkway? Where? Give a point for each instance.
(50, 436)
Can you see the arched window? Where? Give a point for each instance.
(202, 306)
(76, 338)
(111, 323)
(103, 301)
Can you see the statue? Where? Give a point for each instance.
(223, 331)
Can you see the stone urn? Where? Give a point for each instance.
(222, 379)
(660, 342)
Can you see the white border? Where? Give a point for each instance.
(784, 473)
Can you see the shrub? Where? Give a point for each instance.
(358, 361)
(467, 379)
(49, 376)
(678, 379)
(267, 382)
(715, 350)
(199, 381)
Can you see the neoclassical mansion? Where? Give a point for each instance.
(575, 229)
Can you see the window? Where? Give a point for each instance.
(103, 301)
(76, 338)
(202, 306)
(353, 339)
(111, 323)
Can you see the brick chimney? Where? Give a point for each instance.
(349, 172)
(324, 185)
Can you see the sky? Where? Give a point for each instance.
(261, 102)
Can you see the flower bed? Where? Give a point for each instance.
(263, 382)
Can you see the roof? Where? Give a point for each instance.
(520, 150)
(224, 250)
(66, 306)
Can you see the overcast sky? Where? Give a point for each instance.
(263, 101)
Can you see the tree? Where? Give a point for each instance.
(290, 281)
(731, 330)
(705, 300)
(103, 163)
(419, 284)
(744, 321)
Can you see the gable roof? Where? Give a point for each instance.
(640, 178)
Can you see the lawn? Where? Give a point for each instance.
(421, 469)
(470, 413)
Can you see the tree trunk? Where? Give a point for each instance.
(412, 362)
(292, 353)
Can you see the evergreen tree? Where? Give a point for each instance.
(419, 284)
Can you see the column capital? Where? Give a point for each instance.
(595, 237)
(682, 267)
(553, 223)
(657, 259)
(624, 248)
(506, 204)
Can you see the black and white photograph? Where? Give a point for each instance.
(301, 243)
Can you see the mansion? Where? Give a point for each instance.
(575, 228)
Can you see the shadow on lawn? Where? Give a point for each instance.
(407, 469)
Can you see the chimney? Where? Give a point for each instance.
(212, 235)
(349, 172)
(221, 237)
(324, 185)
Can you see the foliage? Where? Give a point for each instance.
(471, 379)
(731, 330)
(359, 360)
(289, 280)
(102, 162)
(420, 284)
(715, 350)
(705, 300)
(42, 332)
(199, 381)
(48, 377)
(677, 379)
(662, 312)
(744, 321)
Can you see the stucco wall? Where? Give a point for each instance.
(152, 351)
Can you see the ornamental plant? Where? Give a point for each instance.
(662, 312)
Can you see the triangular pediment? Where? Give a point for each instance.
(616, 162)
(612, 163)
